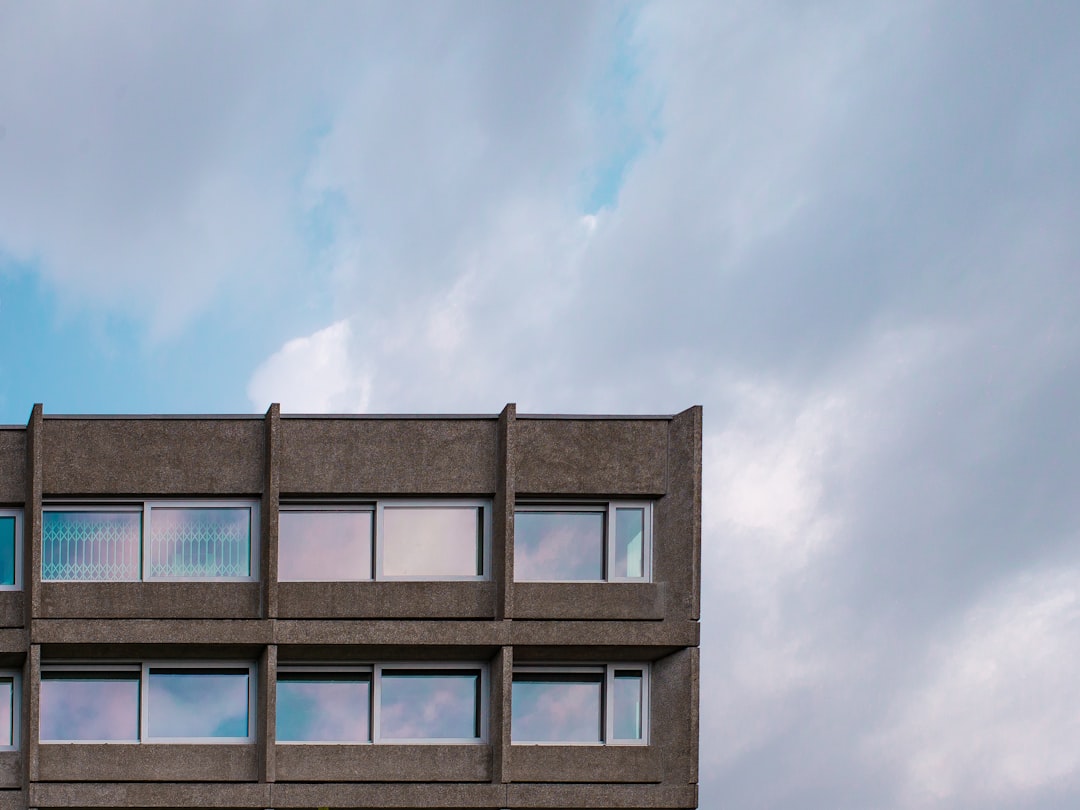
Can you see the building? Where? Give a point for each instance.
(502, 611)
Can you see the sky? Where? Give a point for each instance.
(848, 229)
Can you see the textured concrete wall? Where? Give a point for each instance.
(148, 762)
(11, 769)
(12, 466)
(584, 763)
(12, 609)
(383, 763)
(161, 600)
(398, 600)
(621, 601)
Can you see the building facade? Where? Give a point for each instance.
(350, 611)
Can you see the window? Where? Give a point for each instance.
(383, 703)
(580, 704)
(10, 710)
(150, 702)
(10, 545)
(583, 543)
(151, 540)
(386, 540)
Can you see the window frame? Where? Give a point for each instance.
(16, 708)
(377, 508)
(18, 576)
(483, 708)
(145, 508)
(607, 697)
(608, 509)
(143, 670)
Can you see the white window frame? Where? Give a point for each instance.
(377, 509)
(607, 697)
(375, 710)
(18, 515)
(16, 708)
(143, 670)
(606, 508)
(145, 508)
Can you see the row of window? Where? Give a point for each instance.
(376, 703)
(380, 540)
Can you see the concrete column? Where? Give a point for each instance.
(677, 519)
(267, 722)
(32, 517)
(502, 524)
(31, 703)
(502, 670)
(271, 497)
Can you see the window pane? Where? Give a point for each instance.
(7, 697)
(629, 543)
(626, 705)
(7, 550)
(323, 708)
(200, 542)
(557, 708)
(431, 542)
(324, 546)
(90, 546)
(198, 703)
(558, 546)
(429, 704)
(83, 706)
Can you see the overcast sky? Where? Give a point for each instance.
(850, 229)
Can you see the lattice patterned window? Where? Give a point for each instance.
(151, 540)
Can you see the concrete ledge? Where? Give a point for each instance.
(11, 800)
(386, 600)
(583, 763)
(591, 457)
(383, 763)
(11, 773)
(387, 796)
(642, 601)
(148, 762)
(653, 797)
(159, 600)
(12, 645)
(12, 609)
(663, 637)
(388, 456)
(247, 633)
(111, 795)
(403, 633)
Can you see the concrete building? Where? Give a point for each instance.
(350, 611)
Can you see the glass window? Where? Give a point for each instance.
(149, 540)
(97, 705)
(580, 705)
(9, 710)
(431, 542)
(425, 704)
(415, 703)
(98, 545)
(324, 545)
(586, 543)
(140, 702)
(323, 707)
(10, 536)
(187, 703)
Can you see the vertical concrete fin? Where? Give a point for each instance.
(502, 671)
(502, 523)
(684, 478)
(267, 726)
(32, 516)
(271, 497)
(31, 687)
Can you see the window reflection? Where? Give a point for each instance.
(323, 708)
(7, 710)
(91, 545)
(198, 543)
(426, 704)
(558, 546)
(7, 549)
(198, 703)
(440, 541)
(557, 707)
(629, 561)
(626, 705)
(85, 706)
(324, 545)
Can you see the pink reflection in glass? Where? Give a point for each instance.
(558, 546)
(428, 705)
(7, 696)
(89, 708)
(431, 542)
(324, 546)
(556, 708)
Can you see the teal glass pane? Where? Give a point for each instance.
(90, 546)
(318, 708)
(84, 706)
(558, 546)
(7, 709)
(432, 542)
(629, 543)
(8, 549)
(429, 704)
(198, 703)
(324, 545)
(626, 705)
(200, 542)
(557, 707)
